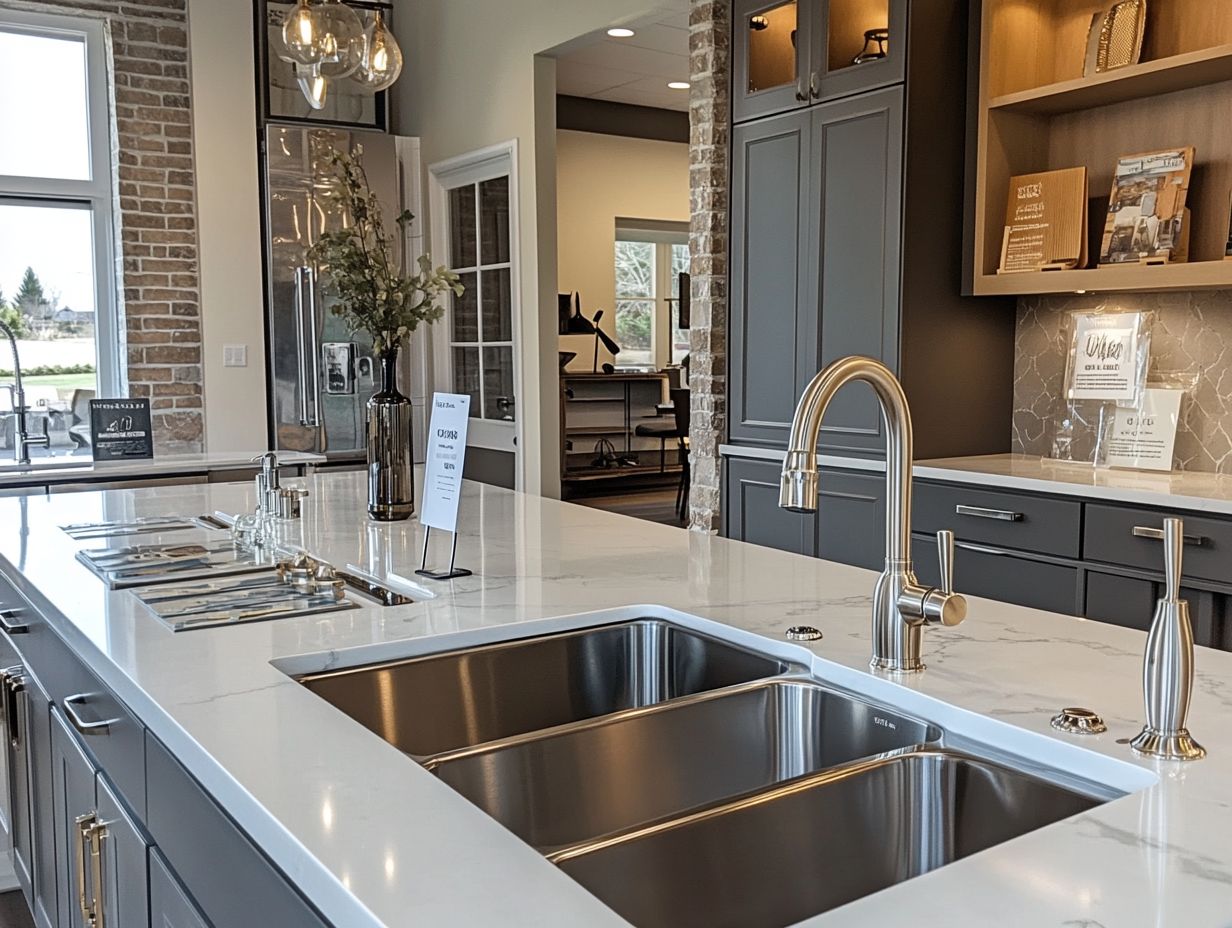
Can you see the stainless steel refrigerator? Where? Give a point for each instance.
(321, 374)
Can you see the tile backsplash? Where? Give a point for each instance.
(1192, 334)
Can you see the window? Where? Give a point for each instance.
(57, 272)
(650, 257)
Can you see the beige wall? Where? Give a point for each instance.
(474, 81)
(600, 178)
(229, 221)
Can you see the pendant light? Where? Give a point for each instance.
(327, 40)
(300, 34)
(341, 39)
(381, 63)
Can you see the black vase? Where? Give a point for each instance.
(391, 480)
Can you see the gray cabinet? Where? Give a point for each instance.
(752, 512)
(170, 904)
(42, 891)
(772, 295)
(1130, 602)
(1003, 575)
(857, 150)
(121, 893)
(788, 54)
(851, 512)
(74, 814)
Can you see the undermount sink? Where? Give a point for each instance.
(810, 846)
(609, 774)
(426, 706)
(689, 781)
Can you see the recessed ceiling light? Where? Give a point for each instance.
(620, 32)
(678, 85)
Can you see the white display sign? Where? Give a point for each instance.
(1105, 357)
(446, 457)
(1145, 436)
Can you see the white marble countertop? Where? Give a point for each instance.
(74, 469)
(1186, 490)
(374, 840)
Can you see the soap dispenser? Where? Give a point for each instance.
(1168, 668)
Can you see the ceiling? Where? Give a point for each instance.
(633, 70)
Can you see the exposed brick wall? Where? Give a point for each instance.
(709, 103)
(156, 256)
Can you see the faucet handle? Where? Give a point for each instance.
(945, 556)
(942, 606)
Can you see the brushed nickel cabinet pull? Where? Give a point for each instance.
(11, 624)
(1157, 534)
(86, 728)
(84, 824)
(980, 512)
(801, 91)
(98, 831)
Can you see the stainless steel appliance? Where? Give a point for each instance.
(321, 373)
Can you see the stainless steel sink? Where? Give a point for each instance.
(809, 846)
(430, 705)
(609, 774)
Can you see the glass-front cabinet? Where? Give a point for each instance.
(795, 53)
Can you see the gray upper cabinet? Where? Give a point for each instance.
(857, 166)
(788, 54)
(770, 64)
(771, 290)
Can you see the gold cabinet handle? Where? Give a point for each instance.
(98, 831)
(84, 824)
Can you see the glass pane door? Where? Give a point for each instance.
(481, 319)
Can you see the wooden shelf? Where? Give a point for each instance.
(1198, 275)
(1151, 78)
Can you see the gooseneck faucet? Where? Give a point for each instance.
(901, 605)
(23, 443)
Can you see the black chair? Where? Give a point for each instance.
(662, 429)
(680, 402)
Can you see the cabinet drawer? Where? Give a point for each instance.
(1010, 520)
(1110, 537)
(995, 574)
(111, 734)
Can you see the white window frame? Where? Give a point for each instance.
(473, 168)
(663, 235)
(96, 194)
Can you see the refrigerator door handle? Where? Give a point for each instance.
(314, 345)
(301, 351)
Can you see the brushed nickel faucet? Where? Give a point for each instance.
(901, 605)
(23, 441)
(1168, 667)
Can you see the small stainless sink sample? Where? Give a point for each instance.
(430, 705)
(804, 848)
(607, 775)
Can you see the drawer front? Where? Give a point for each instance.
(112, 735)
(996, 574)
(1120, 535)
(1004, 520)
(228, 877)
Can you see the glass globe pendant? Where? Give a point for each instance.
(381, 63)
(313, 84)
(340, 43)
(301, 34)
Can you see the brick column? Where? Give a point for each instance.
(709, 117)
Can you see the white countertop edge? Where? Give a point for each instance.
(1186, 490)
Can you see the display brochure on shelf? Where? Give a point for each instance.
(1144, 435)
(1147, 220)
(1105, 357)
(1045, 222)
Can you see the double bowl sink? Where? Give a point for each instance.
(688, 781)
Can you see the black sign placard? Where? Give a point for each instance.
(120, 430)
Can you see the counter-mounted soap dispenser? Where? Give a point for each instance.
(1168, 669)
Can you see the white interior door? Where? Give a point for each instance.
(474, 213)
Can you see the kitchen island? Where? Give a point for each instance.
(371, 839)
